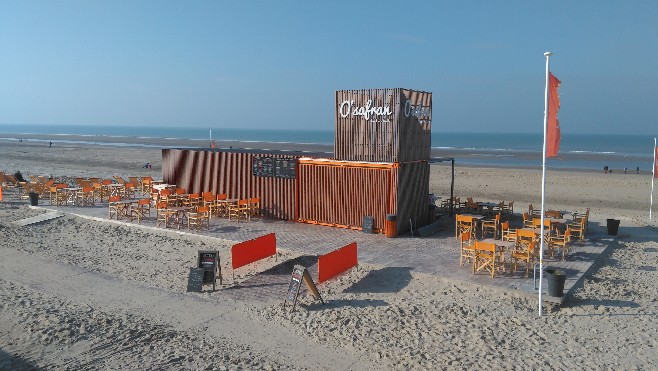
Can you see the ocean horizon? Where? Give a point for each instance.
(577, 151)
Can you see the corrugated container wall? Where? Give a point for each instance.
(383, 125)
(412, 195)
(341, 193)
(231, 173)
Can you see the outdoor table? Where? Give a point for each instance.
(71, 193)
(503, 247)
(487, 207)
(123, 212)
(161, 186)
(180, 214)
(226, 204)
(114, 189)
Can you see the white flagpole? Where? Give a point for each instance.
(543, 186)
(653, 175)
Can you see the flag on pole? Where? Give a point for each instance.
(553, 130)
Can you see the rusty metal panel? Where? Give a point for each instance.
(383, 125)
(341, 193)
(231, 173)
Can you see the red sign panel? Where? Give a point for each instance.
(247, 252)
(337, 262)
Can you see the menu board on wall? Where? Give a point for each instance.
(279, 167)
(262, 166)
(284, 168)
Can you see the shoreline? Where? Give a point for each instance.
(463, 157)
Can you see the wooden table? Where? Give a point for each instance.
(125, 208)
(71, 193)
(226, 204)
(180, 214)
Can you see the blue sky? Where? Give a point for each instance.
(277, 64)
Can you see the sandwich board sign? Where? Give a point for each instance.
(205, 272)
(300, 274)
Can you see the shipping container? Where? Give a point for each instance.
(269, 175)
(383, 125)
(342, 193)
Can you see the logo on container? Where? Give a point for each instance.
(348, 107)
(419, 111)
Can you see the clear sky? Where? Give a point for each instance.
(277, 64)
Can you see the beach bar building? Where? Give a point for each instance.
(379, 170)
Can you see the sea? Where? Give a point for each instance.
(577, 151)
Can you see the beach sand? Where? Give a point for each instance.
(83, 294)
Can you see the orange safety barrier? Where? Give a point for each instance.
(336, 262)
(247, 252)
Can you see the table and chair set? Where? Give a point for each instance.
(488, 243)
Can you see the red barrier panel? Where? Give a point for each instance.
(247, 252)
(336, 262)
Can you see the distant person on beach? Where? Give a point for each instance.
(605, 169)
(637, 170)
(625, 170)
(147, 166)
(50, 145)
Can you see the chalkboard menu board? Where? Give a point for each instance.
(279, 167)
(368, 222)
(262, 166)
(300, 273)
(195, 280)
(284, 168)
(208, 260)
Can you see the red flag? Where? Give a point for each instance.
(553, 129)
(655, 164)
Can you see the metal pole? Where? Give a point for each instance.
(653, 175)
(543, 186)
(452, 187)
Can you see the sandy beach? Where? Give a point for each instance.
(83, 294)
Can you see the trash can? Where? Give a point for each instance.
(555, 279)
(391, 225)
(34, 198)
(613, 226)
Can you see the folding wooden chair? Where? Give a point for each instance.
(116, 210)
(163, 215)
(524, 253)
(464, 223)
(254, 207)
(487, 258)
(560, 242)
(240, 211)
(506, 233)
(466, 248)
(197, 219)
(141, 211)
(490, 226)
(85, 196)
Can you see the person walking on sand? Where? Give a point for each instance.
(637, 170)
(50, 145)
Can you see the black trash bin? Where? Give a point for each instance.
(34, 198)
(613, 226)
(555, 279)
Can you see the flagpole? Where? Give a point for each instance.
(653, 176)
(543, 186)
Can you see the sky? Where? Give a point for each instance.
(277, 64)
